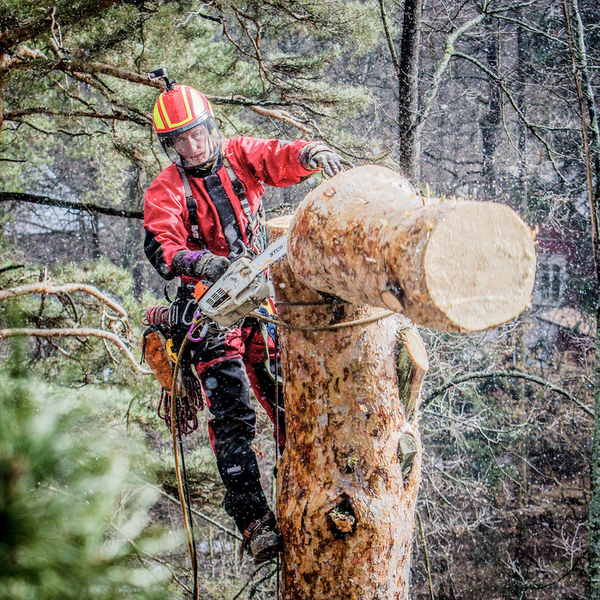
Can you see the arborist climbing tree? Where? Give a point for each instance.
(200, 214)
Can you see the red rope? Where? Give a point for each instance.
(155, 315)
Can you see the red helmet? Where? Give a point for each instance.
(178, 110)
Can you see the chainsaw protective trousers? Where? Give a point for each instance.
(224, 367)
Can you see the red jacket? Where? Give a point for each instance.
(166, 219)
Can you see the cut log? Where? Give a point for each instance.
(367, 237)
(349, 476)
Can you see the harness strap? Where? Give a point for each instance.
(225, 212)
(254, 220)
(190, 202)
(240, 192)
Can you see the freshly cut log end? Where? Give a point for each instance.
(479, 265)
(278, 226)
(367, 237)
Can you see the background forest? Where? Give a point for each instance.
(489, 100)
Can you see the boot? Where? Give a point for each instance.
(261, 540)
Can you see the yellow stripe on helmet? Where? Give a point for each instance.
(158, 122)
(189, 114)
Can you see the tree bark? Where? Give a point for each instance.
(349, 476)
(589, 111)
(408, 91)
(492, 116)
(366, 237)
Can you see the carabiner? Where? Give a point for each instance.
(185, 312)
(202, 333)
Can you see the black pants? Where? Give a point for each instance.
(226, 375)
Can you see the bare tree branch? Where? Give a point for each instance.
(80, 332)
(204, 517)
(508, 375)
(532, 127)
(432, 92)
(388, 36)
(84, 206)
(43, 287)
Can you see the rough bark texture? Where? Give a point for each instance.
(349, 476)
(367, 238)
(408, 90)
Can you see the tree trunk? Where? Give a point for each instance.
(492, 117)
(408, 91)
(522, 146)
(367, 238)
(589, 120)
(350, 473)
(3, 58)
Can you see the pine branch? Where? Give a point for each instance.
(281, 115)
(44, 24)
(80, 332)
(116, 115)
(10, 268)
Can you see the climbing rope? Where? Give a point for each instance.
(180, 472)
(277, 454)
(355, 323)
(155, 315)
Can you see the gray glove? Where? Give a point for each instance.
(318, 155)
(200, 264)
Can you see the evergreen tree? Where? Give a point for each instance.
(70, 520)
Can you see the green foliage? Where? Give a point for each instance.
(290, 68)
(74, 360)
(72, 519)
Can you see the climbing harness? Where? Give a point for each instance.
(255, 229)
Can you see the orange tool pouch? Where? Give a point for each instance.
(155, 352)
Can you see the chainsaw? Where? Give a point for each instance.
(242, 288)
